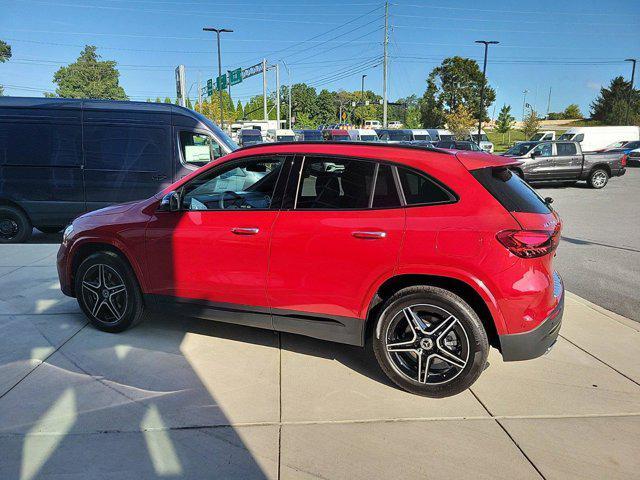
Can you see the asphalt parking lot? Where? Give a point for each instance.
(184, 398)
(599, 256)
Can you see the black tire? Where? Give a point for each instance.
(458, 324)
(54, 229)
(15, 226)
(118, 310)
(598, 178)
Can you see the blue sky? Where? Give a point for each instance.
(572, 46)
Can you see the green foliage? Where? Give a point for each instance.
(210, 108)
(460, 121)
(188, 104)
(5, 51)
(326, 105)
(457, 81)
(610, 106)
(531, 124)
(239, 110)
(505, 120)
(572, 111)
(167, 100)
(89, 77)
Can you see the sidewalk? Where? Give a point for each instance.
(184, 398)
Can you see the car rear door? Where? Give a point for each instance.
(540, 164)
(339, 232)
(567, 163)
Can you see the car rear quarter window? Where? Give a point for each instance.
(510, 190)
(421, 190)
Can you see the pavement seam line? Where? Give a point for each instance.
(513, 440)
(44, 360)
(601, 310)
(600, 360)
(280, 404)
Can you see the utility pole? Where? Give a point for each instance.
(289, 82)
(278, 94)
(362, 94)
(385, 61)
(633, 74)
(486, 44)
(524, 102)
(218, 32)
(264, 89)
(199, 93)
(549, 103)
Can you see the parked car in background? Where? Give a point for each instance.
(248, 137)
(545, 136)
(336, 135)
(520, 149)
(445, 134)
(482, 141)
(421, 134)
(395, 124)
(457, 145)
(60, 157)
(281, 135)
(624, 147)
(372, 124)
(308, 135)
(418, 143)
(433, 133)
(429, 257)
(363, 135)
(565, 161)
(592, 139)
(394, 136)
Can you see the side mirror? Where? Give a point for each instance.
(534, 154)
(170, 202)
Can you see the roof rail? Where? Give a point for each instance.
(357, 144)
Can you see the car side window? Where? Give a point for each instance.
(566, 149)
(240, 186)
(198, 149)
(334, 184)
(543, 150)
(421, 190)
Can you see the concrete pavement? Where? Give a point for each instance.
(184, 398)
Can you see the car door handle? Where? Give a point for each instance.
(245, 230)
(369, 235)
(159, 176)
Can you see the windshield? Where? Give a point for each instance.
(537, 136)
(483, 138)
(222, 137)
(312, 135)
(340, 138)
(566, 136)
(285, 138)
(368, 138)
(251, 140)
(399, 135)
(520, 149)
(421, 136)
(446, 137)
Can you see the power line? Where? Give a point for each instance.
(502, 30)
(519, 12)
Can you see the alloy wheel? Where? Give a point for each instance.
(8, 228)
(104, 293)
(427, 344)
(599, 179)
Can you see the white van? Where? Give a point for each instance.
(372, 124)
(364, 135)
(421, 134)
(445, 134)
(482, 141)
(545, 136)
(596, 138)
(281, 135)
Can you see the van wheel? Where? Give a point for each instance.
(430, 342)
(15, 226)
(108, 292)
(50, 229)
(598, 178)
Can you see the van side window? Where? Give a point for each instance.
(566, 149)
(420, 190)
(198, 149)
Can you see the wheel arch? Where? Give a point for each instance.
(91, 246)
(480, 300)
(603, 166)
(11, 203)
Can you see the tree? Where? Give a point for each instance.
(505, 121)
(5, 54)
(610, 106)
(460, 121)
(326, 107)
(457, 81)
(167, 100)
(303, 102)
(89, 77)
(531, 124)
(239, 110)
(572, 111)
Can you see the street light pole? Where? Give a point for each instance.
(218, 32)
(633, 74)
(486, 44)
(289, 82)
(524, 101)
(362, 94)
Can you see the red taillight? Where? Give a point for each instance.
(530, 243)
(623, 160)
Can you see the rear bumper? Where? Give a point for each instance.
(620, 172)
(536, 342)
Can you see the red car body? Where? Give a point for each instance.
(285, 269)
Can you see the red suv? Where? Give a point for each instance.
(427, 256)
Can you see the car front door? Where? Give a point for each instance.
(540, 164)
(211, 256)
(339, 232)
(567, 162)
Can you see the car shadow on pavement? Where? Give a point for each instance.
(578, 241)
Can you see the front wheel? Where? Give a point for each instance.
(430, 342)
(598, 178)
(108, 292)
(15, 226)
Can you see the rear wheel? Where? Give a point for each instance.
(598, 178)
(108, 292)
(15, 226)
(430, 342)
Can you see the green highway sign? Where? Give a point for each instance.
(221, 82)
(235, 76)
(209, 87)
